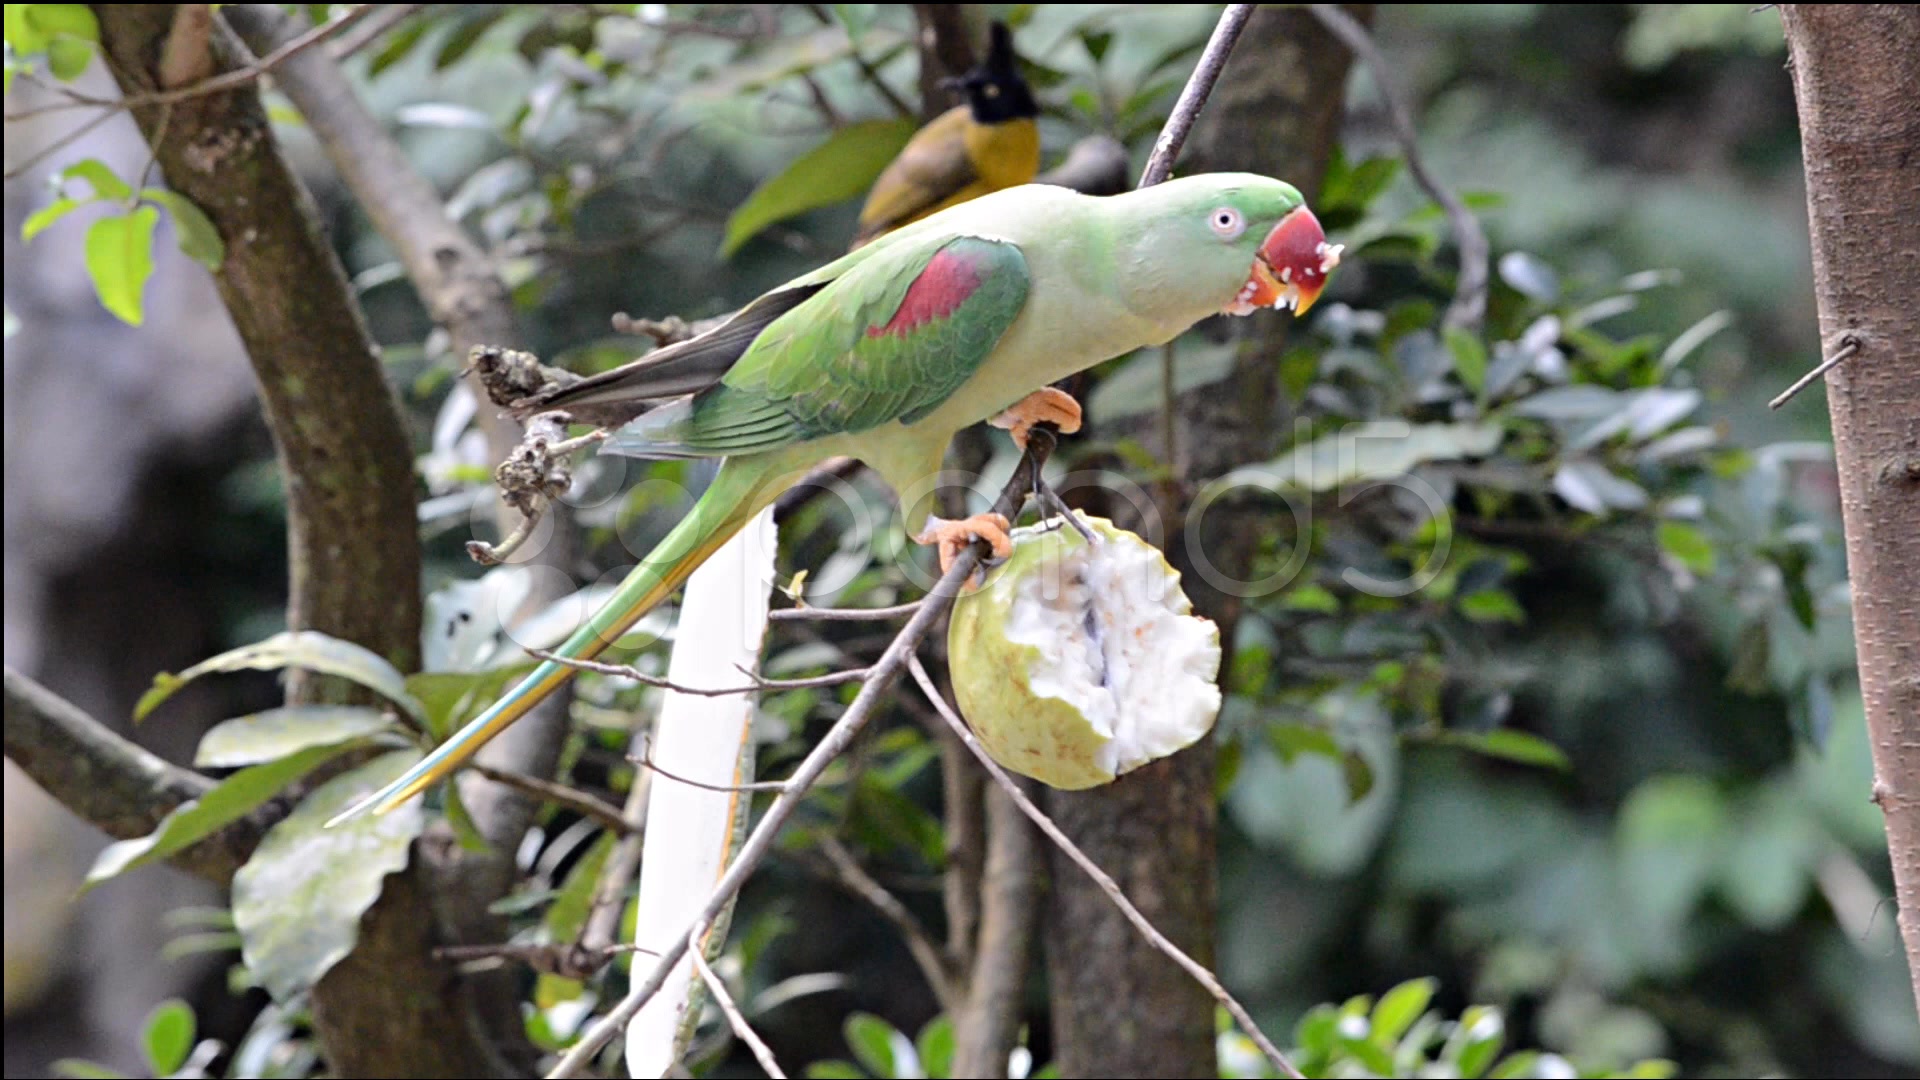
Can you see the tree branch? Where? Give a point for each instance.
(987, 1026)
(1193, 96)
(464, 294)
(849, 872)
(1469, 305)
(353, 552)
(111, 783)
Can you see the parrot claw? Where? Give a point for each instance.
(1044, 406)
(954, 536)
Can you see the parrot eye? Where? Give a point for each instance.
(1227, 223)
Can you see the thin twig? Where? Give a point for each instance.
(866, 67)
(627, 671)
(1207, 72)
(58, 144)
(734, 1019)
(1469, 305)
(1107, 885)
(1849, 344)
(879, 683)
(231, 80)
(574, 799)
(827, 614)
(570, 961)
(391, 15)
(644, 760)
(920, 944)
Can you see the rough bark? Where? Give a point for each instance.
(1856, 77)
(461, 288)
(1121, 1008)
(386, 1010)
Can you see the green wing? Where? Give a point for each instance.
(889, 339)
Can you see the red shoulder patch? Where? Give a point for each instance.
(945, 284)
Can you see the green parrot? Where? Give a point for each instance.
(887, 352)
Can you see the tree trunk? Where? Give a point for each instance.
(1856, 76)
(1120, 1007)
(387, 1009)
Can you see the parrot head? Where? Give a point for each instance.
(1232, 243)
(996, 92)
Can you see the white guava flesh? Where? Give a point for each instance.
(1076, 663)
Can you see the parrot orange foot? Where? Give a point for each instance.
(954, 536)
(1047, 406)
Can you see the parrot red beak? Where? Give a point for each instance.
(1291, 267)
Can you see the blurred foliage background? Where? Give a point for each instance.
(1695, 873)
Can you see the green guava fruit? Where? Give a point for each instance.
(1076, 663)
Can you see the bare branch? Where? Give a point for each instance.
(370, 31)
(1100, 877)
(627, 671)
(718, 989)
(878, 614)
(1469, 305)
(114, 785)
(231, 80)
(986, 1028)
(644, 759)
(1849, 344)
(580, 802)
(1194, 95)
(926, 954)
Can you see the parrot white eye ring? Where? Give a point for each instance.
(1227, 223)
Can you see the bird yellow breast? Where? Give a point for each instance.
(1003, 156)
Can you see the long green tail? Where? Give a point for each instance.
(741, 489)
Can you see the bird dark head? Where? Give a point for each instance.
(995, 91)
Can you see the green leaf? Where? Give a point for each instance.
(120, 260)
(80, 1068)
(229, 801)
(198, 239)
(38, 221)
(298, 901)
(1358, 773)
(1476, 1042)
(571, 905)
(275, 733)
(871, 1040)
(168, 1036)
(1512, 745)
(834, 1069)
(1292, 740)
(309, 649)
(1688, 545)
(452, 697)
(75, 19)
(68, 56)
(1401, 1006)
(935, 1046)
(466, 831)
(844, 166)
(1492, 605)
(1469, 358)
(1362, 452)
(105, 182)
